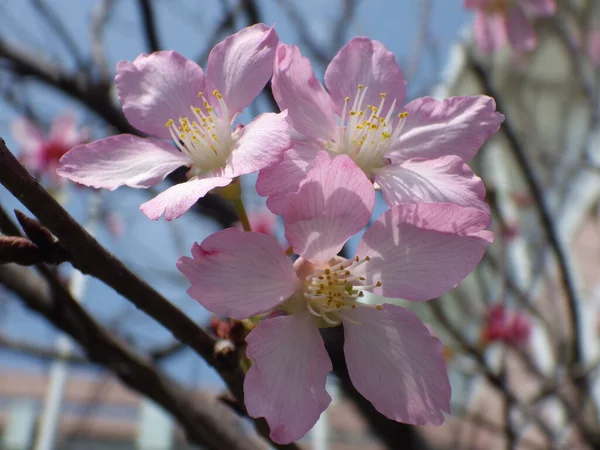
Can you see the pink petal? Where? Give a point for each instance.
(157, 87)
(282, 179)
(334, 203)
(239, 274)
(520, 32)
(240, 65)
(121, 160)
(27, 135)
(455, 126)
(367, 62)
(286, 382)
(442, 180)
(490, 31)
(419, 252)
(539, 8)
(296, 89)
(64, 131)
(396, 364)
(176, 200)
(261, 145)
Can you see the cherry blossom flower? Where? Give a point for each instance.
(413, 251)
(262, 221)
(497, 21)
(505, 326)
(414, 153)
(40, 153)
(169, 97)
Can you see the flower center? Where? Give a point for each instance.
(333, 288)
(366, 132)
(207, 138)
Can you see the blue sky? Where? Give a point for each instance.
(151, 248)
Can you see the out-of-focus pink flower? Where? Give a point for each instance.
(505, 326)
(415, 251)
(593, 46)
(414, 153)
(40, 153)
(169, 97)
(497, 21)
(262, 221)
(114, 224)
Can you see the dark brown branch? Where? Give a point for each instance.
(150, 28)
(203, 423)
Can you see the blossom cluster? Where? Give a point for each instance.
(498, 21)
(320, 162)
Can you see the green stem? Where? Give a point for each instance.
(241, 212)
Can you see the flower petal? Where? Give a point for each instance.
(239, 274)
(334, 202)
(282, 179)
(421, 251)
(296, 89)
(157, 87)
(455, 126)
(520, 32)
(261, 145)
(442, 180)
(27, 134)
(121, 160)
(490, 31)
(367, 62)
(240, 65)
(176, 200)
(396, 364)
(286, 382)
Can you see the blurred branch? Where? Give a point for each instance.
(39, 352)
(548, 225)
(338, 36)
(57, 26)
(305, 33)
(150, 27)
(202, 423)
(100, 17)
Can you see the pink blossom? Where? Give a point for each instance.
(262, 221)
(169, 97)
(497, 21)
(413, 251)
(39, 153)
(505, 326)
(414, 153)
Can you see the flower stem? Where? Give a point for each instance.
(233, 192)
(241, 211)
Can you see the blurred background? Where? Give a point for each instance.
(521, 333)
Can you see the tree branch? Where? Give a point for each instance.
(203, 424)
(150, 28)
